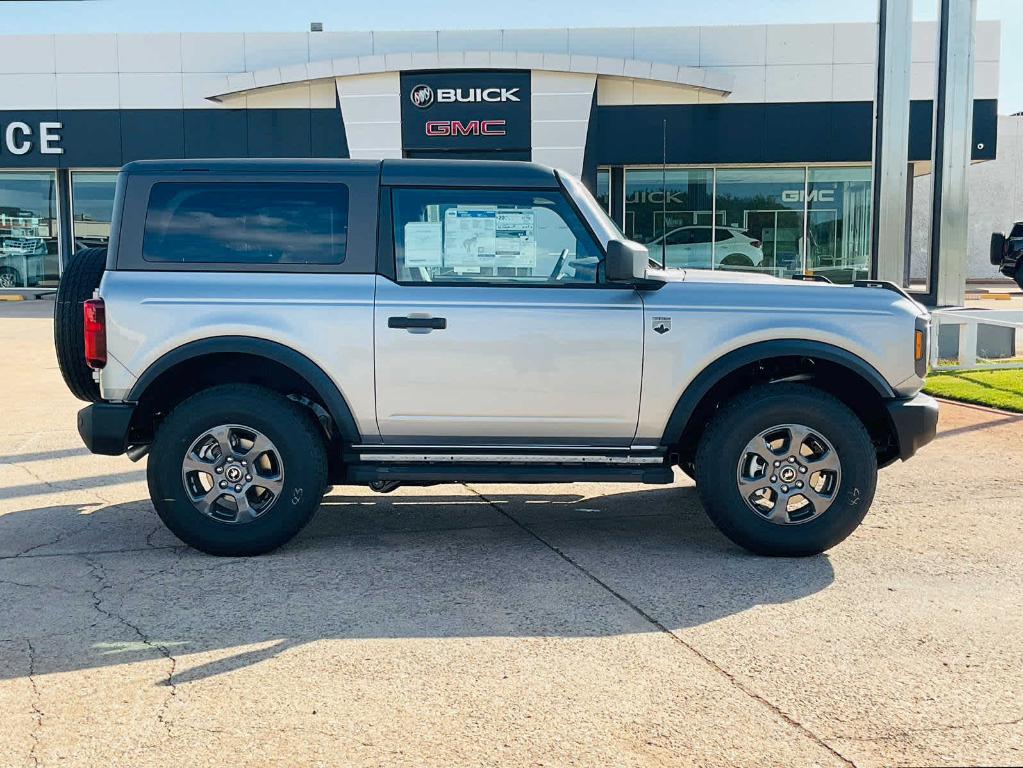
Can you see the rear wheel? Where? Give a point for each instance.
(80, 278)
(786, 469)
(1019, 273)
(237, 470)
(737, 261)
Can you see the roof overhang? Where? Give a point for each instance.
(716, 82)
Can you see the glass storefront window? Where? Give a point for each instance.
(838, 223)
(671, 212)
(28, 230)
(92, 203)
(603, 193)
(762, 211)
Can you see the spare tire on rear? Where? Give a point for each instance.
(77, 282)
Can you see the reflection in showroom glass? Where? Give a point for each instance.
(28, 230)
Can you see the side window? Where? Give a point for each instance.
(723, 234)
(679, 237)
(484, 236)
(1017, 230)
(701, 235)
(246, 223)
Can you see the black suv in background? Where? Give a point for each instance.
(1007, 252)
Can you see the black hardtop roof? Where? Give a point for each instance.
(484, 173)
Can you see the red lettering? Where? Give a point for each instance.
(492, 128)
(467, 128)
(471, 128)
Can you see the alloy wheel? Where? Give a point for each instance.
(789, 474)
(233, 474)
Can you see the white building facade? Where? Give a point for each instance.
(741, 146)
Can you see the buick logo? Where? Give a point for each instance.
(422, 96)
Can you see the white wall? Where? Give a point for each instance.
(808, 62)
(996, 201)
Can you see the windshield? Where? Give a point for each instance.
(603, 227)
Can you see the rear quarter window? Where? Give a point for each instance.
(250, 223)
(1017, 230)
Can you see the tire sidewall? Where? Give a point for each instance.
(304, 474)
(716, 472)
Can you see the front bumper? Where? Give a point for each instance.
(104, 427)
(916, 422)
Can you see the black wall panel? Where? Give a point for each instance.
(804, 132)
(109, 138)
(223, 133)
(619, 135)
(141, 140)
(279, 133)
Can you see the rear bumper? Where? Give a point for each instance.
(104, 427)
(916, 422)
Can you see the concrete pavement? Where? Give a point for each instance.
(500, 625)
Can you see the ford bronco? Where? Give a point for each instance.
(267, 329)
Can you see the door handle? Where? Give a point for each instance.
(430, 323)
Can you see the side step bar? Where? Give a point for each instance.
(421, 474)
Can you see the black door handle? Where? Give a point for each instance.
(436, 323)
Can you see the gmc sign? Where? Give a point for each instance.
(466, 128)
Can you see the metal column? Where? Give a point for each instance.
(891, 140)
(952, 148)
(65, 226)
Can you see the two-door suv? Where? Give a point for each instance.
(266, 329)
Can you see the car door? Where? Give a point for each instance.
(496, 329)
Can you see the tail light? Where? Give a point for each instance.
(756, 243)
(95, 333)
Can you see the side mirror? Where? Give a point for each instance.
(997, 248)
(626, 262)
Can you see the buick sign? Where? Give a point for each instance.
(422, 96)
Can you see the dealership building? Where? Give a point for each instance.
(741, 146)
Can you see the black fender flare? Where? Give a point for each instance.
(706, 379)
(325, 387)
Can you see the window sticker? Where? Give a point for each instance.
(515, 238)
(470, 234)
(423, 244)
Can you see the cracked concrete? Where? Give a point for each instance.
(501, 625)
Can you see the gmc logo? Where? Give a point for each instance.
(465, 128)
(797, 195)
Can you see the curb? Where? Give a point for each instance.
(976, 407)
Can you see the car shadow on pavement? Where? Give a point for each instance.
(112, 586)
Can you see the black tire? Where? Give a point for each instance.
(759, 409)
(10, 278)
(294, 433)
(737, 261)
(78, 281)
(1019, 273)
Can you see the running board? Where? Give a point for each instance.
(449, 472)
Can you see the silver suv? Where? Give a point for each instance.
(265, 329)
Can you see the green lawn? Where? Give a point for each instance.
(995, 389)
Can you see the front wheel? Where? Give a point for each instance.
(10, 278)
(786, 470)
(237, 470)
